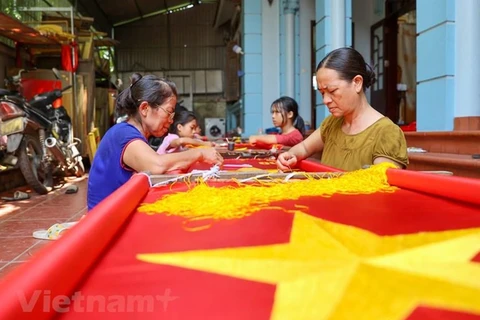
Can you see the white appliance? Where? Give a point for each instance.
(214, 128)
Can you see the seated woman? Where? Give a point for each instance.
(181, 133)
(355, 134)
(284, 116)
(149, 102)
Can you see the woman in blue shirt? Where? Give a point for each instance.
(149, 103)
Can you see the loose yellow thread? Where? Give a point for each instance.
(232, 202)
(188, 224)
(250, 169)
(300, 206)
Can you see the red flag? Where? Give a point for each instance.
(69, 62)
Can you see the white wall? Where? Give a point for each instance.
(307, 14)
(364, 16)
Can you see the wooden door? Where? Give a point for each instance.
(377, 91)
(384, 59)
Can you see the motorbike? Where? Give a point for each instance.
(13, 121)
(43, 145)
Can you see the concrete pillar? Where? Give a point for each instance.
(436, 64)
(290, 9)
(306, 15)
(338, 24)
(333, 30)
(467, 66)
(271, 75)
(252, 96)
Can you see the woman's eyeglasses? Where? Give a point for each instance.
(170, 114)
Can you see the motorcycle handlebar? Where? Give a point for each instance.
(16, 78)
(19, 74)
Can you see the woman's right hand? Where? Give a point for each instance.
(211, 156)
(286, 161)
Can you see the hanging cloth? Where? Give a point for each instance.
(69, 64)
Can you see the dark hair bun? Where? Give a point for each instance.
(370, 77)
(149, 88)
(134, 78)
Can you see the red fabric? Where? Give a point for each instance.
(409, 127)
(195, 294)
(290, 139)
(31, 87)
(427, 313)
(313, 166)
(214, 296)
(200, 295)
(264, 164)
(62, 264)
(69, 62)
(476, 258)
(456, 188)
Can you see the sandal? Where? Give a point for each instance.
(54, 232)
(17, 196)
(72, 189)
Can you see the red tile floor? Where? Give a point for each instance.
(18, 220)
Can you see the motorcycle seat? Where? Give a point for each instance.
(5, 92)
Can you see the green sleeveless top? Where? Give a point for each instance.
(351, 152)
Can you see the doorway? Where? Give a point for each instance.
(393, 53)
(407, 68)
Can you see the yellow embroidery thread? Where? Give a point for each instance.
(232, 202)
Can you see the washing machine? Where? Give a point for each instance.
(215, 128)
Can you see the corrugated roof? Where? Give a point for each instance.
(118, 12)
(15, 30)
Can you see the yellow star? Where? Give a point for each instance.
(334, 271)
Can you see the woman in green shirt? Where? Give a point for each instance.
(355, 134)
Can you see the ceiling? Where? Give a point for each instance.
(111, 13)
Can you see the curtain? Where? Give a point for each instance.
(407, 65)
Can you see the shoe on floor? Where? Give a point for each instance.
(54, 232)
(71, 189)
(17, 196)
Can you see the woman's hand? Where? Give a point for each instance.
(286, 161)
(211, 156)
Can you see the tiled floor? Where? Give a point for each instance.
(18, 220)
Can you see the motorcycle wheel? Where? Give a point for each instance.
(30, 155)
